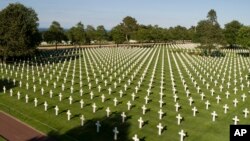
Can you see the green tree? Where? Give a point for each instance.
(101, 34)
(243, 37)
(231, 31)
(55, 34)
(118, 35)
(212, 16)
(19, 33)
(77, 35)
(143, 34)
(130, 26)
(90, 33)
(209, 33)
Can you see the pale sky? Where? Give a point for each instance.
(109, 13)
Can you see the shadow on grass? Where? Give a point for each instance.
(7, 83)
(88, 131)
(244, 54)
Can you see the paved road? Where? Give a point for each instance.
(15, 130)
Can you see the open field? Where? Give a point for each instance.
(165, 75)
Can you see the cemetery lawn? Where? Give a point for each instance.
(164, 70)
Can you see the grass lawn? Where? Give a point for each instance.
(160, 69)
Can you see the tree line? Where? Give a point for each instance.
(19, 34)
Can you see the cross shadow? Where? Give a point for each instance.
(88, 131)
(63, 111)
(8, 84)
(76, 116)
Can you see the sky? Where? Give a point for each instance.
(165, 13)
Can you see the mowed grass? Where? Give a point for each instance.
(135, 64)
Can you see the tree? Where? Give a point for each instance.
(19, 33)
(212, 16)
(118, 35)
(143, 34)
(130, 26)
(231, 31)
(209, 33)
(101, 34)
(90, 33)
(243, 37)
(77, 35)
(55, 33)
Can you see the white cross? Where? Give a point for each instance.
(94, 107)
(42, 91)
(45, 106)
(146, 99)
(91, 95)
(243, 97)
(99, 88)
(177, 107)
(68, 114)
(121, 93)
(115, 133)
(242, 86)
(218, 99)
(144, 108)
(129, 105)
(140, 122)
(26, 98)
(103, 97)
(81, 103)
(182, 135)
(133, 96)
(35, 101)
(207, 104)
(108, 111)
(187, 93)
(98, 125)
(194, 109)
(136, 89)
(115, 101)
(179, 118)
(11, 92)
(82, 118)
(81, 92)
(202, 95)
(190, 101)
(235, 90)
(135, 138)
(50, 93)
(227, 94)
(212, 92)
(235, 119)
(225, 108)
(148, 91)
(125, 87)
(246, 112)
(34, 88)
(175, 98)
(110, 90)
(235, 101)
(123, 116)
(161, 102)
(221, 87)
(214, 115)
(70, 100)
(160, 127)
(56, 110)
(228, 85)
(160, 113)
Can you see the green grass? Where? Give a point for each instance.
(2, 139)
(95, 62)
